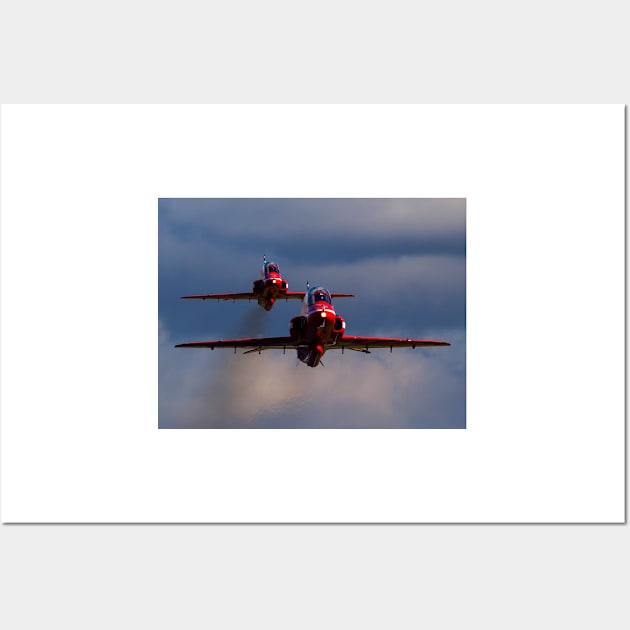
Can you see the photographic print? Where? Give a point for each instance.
(425, 226)
(370, 293)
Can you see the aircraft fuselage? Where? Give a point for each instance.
(317, 326)
(270, 286)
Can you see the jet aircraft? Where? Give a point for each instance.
(317, 329)
(266, 290)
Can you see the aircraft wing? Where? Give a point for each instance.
(221, 296)
(299, 295)
(290, 295)
(294, 295)
(262, 343)
(365, 343)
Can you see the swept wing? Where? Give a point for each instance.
(221, 296)
(282, 343)
(289, 295)
(365, 343)
(299, 295)
(264, 343)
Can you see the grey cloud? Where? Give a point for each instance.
(339, 229)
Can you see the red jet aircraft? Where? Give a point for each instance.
(317, 329)
(266, 290)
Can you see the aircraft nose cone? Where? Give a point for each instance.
(321, 317)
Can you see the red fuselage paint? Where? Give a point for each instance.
(270, 286)
(322, 327)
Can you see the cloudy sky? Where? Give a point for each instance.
(405, 259)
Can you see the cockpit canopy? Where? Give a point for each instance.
(318, 294)
(270, 267)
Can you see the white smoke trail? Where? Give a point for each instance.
(220, 389)
(236, 388)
